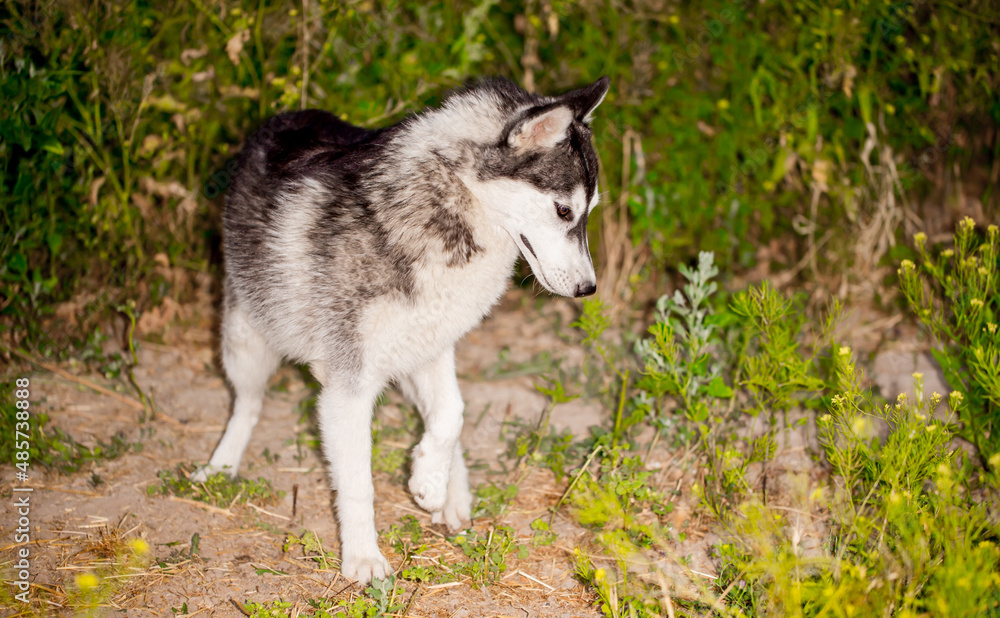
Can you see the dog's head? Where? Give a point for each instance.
(539, 181)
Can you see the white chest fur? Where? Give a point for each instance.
(402, 333)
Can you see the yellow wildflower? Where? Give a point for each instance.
(86, 581)
(139, 547)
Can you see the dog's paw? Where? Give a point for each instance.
(203, 473)
(458, 506)
(455, 513)
(363, 567)
(429, 481)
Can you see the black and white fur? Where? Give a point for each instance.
(368, 253)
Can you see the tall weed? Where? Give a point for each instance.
(955, 293)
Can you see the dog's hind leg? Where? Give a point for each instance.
(249, 362)
(345, 416)
(440, 481)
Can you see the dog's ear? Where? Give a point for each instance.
(585, 100)
(542, 127)
(547, 125)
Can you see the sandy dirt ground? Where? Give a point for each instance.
(241, 553)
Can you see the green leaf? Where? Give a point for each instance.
(557, 393)
(865, 102)
(18, 263)
(267, 571)
(700, 366)
(52, 145)
(698, 412)
(593, 321)
(812, 124)
(54, 241)
(780, 166)
(717, 388)
(952, 369)
(658, 384)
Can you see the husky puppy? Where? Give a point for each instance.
(368, 253)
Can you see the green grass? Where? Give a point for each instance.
(487, 554)
(493, 500)
(383, 597)
(52, 447)
(312, 548)
(220, 490)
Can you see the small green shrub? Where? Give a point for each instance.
(543, 533)
(618, 495)
(493, 500)
(380, 599)
(912, 526)
(219, 490)
(487, 553)
(406, 539)
(697, 356)
(678, 359)
(312, 547)
(956, 295)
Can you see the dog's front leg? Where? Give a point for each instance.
(345, 416)
(440, 481)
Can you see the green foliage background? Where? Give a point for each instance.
(119, 118)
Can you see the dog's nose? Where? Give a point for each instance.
(585, 289)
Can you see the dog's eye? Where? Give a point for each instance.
(564, 212)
